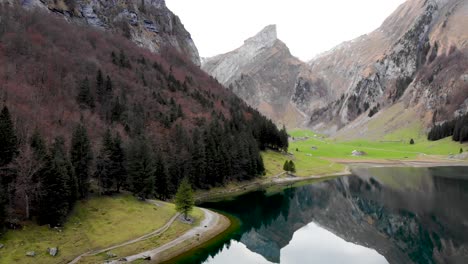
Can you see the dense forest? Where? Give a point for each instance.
(456, 128)
(85, 111)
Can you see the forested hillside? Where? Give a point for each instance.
(86, 110)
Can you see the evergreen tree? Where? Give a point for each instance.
(103, 163)
(117, 168)
(184, 199)
(8, 139)
(162, 189)
(140, 168)
(286, 166)
(198, 160)
(100, 89)
(81, 158)
(110, 168)
(54, 203)
(85, 97)
(109, 86)
(411, 142)
(284, 139)
(292, 166)
(38, 145)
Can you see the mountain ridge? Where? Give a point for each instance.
(400, 62)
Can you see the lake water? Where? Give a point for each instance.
(381, 215)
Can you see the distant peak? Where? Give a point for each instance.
(266, 37)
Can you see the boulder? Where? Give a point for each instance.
(358, 153)
(2, 246)
(52, 251)
(111, 255)
(31, 254)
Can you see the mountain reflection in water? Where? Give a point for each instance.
(385, 215)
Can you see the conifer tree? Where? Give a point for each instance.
(100, 89)
(284, 139)
(54, 203)
(292, 166)
(161, 179)
(109, 86)
(103, 163)
(81, 157)
(8, 139)
(85, 97)
(184, 199)
(140, 168)
(286, 166)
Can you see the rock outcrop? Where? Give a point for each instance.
(419, 56)
(149, 23)
(265, 74)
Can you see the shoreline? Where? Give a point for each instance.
(290, 179)
(190, 241)
(211, 226)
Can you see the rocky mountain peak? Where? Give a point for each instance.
(266, 38)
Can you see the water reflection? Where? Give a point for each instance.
(399, 215)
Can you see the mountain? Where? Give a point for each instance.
(410, 72)
(149, 23)
(416, 61)
(265, 74)
(142, 121)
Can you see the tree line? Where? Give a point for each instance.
(42, 181)
(456, 128)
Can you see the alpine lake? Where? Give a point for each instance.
(377, 215)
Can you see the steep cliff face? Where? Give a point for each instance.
(265, 74)
(149, 23)
(418, 57)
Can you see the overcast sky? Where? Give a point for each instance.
(308, 27)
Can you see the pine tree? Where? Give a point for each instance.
(184, 199)
(292, 166)
(140, 168)
(103, 163)
(81, 157)
(8, 139)
(286, 166)
(199, 160)
(118, 162)
(100, 89)
(85, 98)
(284, 139)
(109, 86)
(162, 190)
(54, 203)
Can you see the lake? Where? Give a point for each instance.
(379, 215)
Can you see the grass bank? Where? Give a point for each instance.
(94, 224)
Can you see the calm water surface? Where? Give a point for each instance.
(391, 215)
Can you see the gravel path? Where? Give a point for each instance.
(210, 221)
(154, 233)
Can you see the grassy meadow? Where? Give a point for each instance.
(94, 224)
(316, 154)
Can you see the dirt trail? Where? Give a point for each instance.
(210, 221)
(146, 236)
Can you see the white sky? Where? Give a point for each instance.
(308, 27)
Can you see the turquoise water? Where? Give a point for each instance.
(391, 215)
